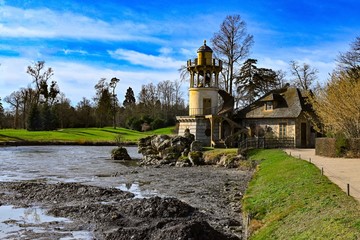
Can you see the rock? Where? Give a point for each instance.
(157, 142)
(163, 149)
(196, 158)
(120, 153)
(188, 135)
(196, 146)
(183, 162)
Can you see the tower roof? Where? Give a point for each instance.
(204, 48)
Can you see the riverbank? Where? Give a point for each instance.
(288, 198)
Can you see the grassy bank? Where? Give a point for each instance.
(77, 135)
(289, 199)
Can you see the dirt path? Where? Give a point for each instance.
(341, 171)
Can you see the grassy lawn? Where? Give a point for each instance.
(106, 134)
(289, 199)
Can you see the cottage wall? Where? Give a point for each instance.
(269, 127)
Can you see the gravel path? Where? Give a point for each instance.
(341, 171)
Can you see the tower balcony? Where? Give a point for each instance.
(209, 62)
(203, 111)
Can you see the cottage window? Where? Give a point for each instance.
(282, 130)
(269, 106)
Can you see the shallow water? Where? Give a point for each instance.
(15, 221)
(84, 164)
(60, 163)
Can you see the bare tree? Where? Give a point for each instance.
(349, 61)
(232, 43)
(40, 77)
(14, 99)
(304, 75)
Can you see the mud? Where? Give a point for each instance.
(158, 202)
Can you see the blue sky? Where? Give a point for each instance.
(147, 41)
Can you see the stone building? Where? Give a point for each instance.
(281, 113)
(206, 119)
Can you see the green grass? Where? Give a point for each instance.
(106, 134)
(288, 198)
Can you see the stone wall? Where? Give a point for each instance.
(271, 126)
(200, 127)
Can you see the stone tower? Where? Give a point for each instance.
(203, 97)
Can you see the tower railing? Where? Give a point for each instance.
(203, 111)
(194, 62)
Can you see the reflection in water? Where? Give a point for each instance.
(84, 164)
(135, 188)
(15, 220)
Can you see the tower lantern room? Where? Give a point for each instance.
(204, 82)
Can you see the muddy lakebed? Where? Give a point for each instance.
(78, 192)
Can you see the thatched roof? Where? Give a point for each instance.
(288, 103)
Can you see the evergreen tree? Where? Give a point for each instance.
(254, 82)
(34, 119)
(129, 97)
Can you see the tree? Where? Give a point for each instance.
(253, 82)
(40, 77)
(349, 61)
(129, 98)
(113, 82)
(34, 119)
(65, 112)
(338, 104)
(85, 114)
(231, 44)
(14, 99)
(104, 102)
(304, 75)
(2, 115)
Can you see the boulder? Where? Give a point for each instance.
(120, 153)
(196, 146)
(196, 158)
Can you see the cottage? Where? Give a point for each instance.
(281, 113)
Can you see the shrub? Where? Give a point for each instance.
(341, 145)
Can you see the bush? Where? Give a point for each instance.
(157, 123)
(325, 147)
(341, 145)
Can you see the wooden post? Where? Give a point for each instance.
(348, 189)
(322, 171)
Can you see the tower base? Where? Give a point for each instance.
(204, 128)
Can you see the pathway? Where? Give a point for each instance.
(341, 171)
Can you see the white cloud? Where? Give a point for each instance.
(165, 50)
(77, 80)
(46, 23)
(70, 51)
(151, 61)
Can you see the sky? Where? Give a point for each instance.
(143, 42)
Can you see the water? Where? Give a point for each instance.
(14, 221)
(84, 164)
(58, 163)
